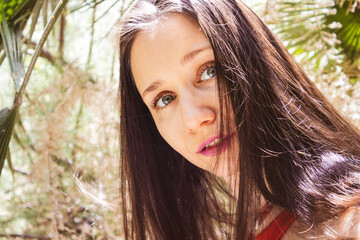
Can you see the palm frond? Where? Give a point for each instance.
(311, 28)
(9, 162)
(39, 46)
(11, 37)
(302, 22)
(349, 31)
(11, 40)
(7, 121)
(14, 15)
(16, 12)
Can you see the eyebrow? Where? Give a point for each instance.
(153, 86)
(188, 57)
(191, 55)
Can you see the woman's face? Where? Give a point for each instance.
(174, 70)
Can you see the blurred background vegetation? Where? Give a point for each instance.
(59, 112)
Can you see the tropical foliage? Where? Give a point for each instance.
(14, 17)
(324, 36)
(313, 27)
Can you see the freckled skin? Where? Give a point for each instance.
(192, 116)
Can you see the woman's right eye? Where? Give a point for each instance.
(162, 101)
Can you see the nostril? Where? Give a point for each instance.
(204, 117)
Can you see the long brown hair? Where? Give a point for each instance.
(295, 148)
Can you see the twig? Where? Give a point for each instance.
(21, 172)
(85, 4)
(47, 30)
(107, 10)
(92, 37)
(24, 236)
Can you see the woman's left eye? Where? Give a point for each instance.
(209, 73)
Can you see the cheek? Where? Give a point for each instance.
(170, 130)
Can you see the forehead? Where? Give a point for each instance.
(161, 47)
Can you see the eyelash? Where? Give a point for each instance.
(158, 97)
(203, 68)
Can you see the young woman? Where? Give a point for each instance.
(223, 136)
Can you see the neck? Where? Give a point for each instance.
(233, 185)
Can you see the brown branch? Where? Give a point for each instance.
(44, 53)
(24, 236)
(62, 34)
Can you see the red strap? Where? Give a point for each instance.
(277, 227)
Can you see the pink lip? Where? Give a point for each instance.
(213, 151)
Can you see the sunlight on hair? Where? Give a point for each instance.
(329, 159)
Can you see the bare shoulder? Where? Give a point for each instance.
(346, 226)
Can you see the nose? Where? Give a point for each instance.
(197, 112)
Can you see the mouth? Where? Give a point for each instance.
(214, 145)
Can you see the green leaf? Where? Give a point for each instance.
(7, 122)
(9, 7)
(349, 32)
(309, 23)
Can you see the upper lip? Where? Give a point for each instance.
(208, 141)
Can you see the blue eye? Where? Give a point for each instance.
(209, 73)
(164, 100)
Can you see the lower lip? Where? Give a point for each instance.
(216, 150)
